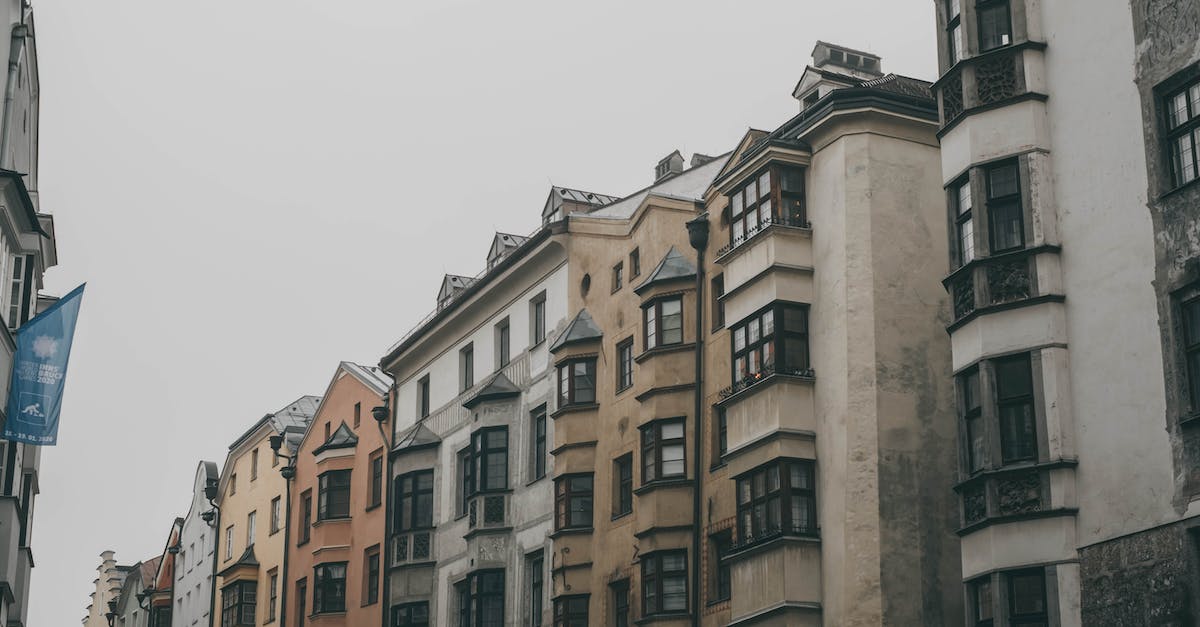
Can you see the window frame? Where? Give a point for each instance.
(652, 581)
(975, 606)
(621, 601)
(503, 332)
(566, 495)
(722, 584)
(618, 276)
(983, 6)
(1028, 399)
(537, 319)
(306, 507)
(1188, 128)
(624, 364)
(251, 527)
(403, 614)
(375, 482)
(753, 501)
(535, 565)
(423, 397)
(635, 263)
(717, 292)
(752, 353)
(1190, 348)
(569, 396)
(235, 606)
(272, 595)
(372, 575)
(325, 491)
(472, 599)
(410, 493)
(955, 44)
(481, 451)
(1026, 618)
(653, 444)
(976, 448)
(539, 431)
(276, 515)
(623, 485)
(654, 322)
(325, 582)
(466, 367)
(963, 218)
(568, 612)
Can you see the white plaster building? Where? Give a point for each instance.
(109, 579)
(193, 596)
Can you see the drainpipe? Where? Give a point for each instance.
(383, 415)
(210, 492)
(698, 238)
(288, 472)
(16, 52)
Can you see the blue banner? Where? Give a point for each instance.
(40, 371)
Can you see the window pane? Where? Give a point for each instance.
(795, 320)
(1028, 594)
(1003, 181)
(1007, 226)
(735, 205)
(966, 240)
(993, 26)
(1184, 159)
(739, 338)
(956, 40)
(672, 460)
(1177, 110)
(976, 442)
(672, 430)
(751, 194)
(736, 227)
(793, 181)
(768, 323)
(752, 331)
(1017, 435)
(983, 600)
(764, 184)
(1013, 378)
(964, 197)
(764, 211)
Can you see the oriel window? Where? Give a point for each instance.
(663, 444)
(329, 588)
(333, 496)
(577, 382)
(573, 501)
(663, 322)
(1014, 403)
(777, 498)
(954, 38)
(964, 222)
(995, 24)
(664, 582)
(1006, 224)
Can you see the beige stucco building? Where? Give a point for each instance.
(251, 497)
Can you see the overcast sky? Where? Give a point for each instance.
(254, 191)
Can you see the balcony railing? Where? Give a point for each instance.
(788, 530)
(797, 221)
(412, 547)
(763, 375)
(487, 511)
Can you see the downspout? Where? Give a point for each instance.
(16, 52)
(386, 547)
(698, 238)
(287, 539)
(212, 584)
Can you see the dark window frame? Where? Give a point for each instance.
(653, 443)
(623, 485)
(238, 598)
(717, 291)
(423, 397)
(571, 498)
(306, 513)
(570, 392)
(654, 322)
(535, 564)
(955, 44)
(276, 515)
(755, 494)
(981, 614)
(653, 576)
(412, 509)
(325, 491)
(1025, 443)
(621, 603)
(618, 277)
(982, 7)
(538, 453)
(722, 583)
(999, 204)
(1027, 618)
(1189, 309)
(473, 599)
(410, 614)
(328, 596)
(503, 332)
(1177, 130)
(373, 569)
(961, 218)
(635, 263)
(571, 609)
(466, 367)
(624, 364)
(482, 452)
(375, 484)
(974, 426)
(537, 319)
(752, 361)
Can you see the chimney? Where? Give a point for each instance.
(841, 59)
(668, 166)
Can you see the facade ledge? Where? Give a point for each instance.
(331, 521)
(662, 484)
(487, 531)
(984, 56)
(743, 389)
(778, 608)
(766, 438)
(570, 409)
(414, 565)
(330, 547)
(992, 309)
(778, 224)
(666, 389)
(661, 350)
(662, 529)
(772, 267)
(561, 568)
(756, 547)
(1065, 462)
(570, 531)
(657, 618)
(1014, 518)
(572, 445)
(968, 267)
(966, 113)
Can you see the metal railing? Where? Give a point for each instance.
(803, 530)
(795, 221)
(764, 374)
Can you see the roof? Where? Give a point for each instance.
(26, 202)
(687, 185)
(903, 85)
(498, 387)
(371, 376)
(148, 570)
(673, 266)
(559, 194)
(247, 559)
(343, 437)
(581, 329)
(419, 436)
(297, 413)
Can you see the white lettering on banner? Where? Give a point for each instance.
(45, 374)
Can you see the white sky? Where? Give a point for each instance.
(256, 190)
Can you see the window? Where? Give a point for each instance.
(964, 223)
(301, 601)
(411, 615)
(251, 520)
(357, 414)
(1014, 402)
(276, 515)
(623, 477)
(571, 611)
(1191, 349)
(1006, 225)
(776, 499)
(718, 307)
(663, 322)
(995, 24)
(413, 505)
(229, 542)
(573, 502)
(254, 464)
(535, 565)
(466, 480)
(422, 399)
(491, 458)
(635, 263)
(481, 599)
(972, 414)
(750, 207)
(376, 486)
(232, 484)
(466, 367)
(537, 318)
(273, 593)
(722, 432)
(980, 592)
(329, 588)
(721, 587)
(333, 496)
(618, 276)
(1183, 133)
(1027, 597)
(773, 340)
(620, 592)
(664, 582)
(577, 382)
(327, 425)
(371, 578)
(954, 38)
(305, 516)
(237, 604)
(18, 301)
(625, 365)
(663, 450)
(503, 343)
(538, 453)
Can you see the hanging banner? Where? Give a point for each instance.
(40, 371)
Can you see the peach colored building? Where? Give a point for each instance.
(335, 550)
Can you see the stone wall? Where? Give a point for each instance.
(1148, 578)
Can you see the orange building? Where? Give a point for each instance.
(335, 553)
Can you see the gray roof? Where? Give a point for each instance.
(559, 194)
(498, 387)
(419, 436)
(688, 185)
(672, 267)
(370, 375)
(297, 413)
(343, 437)
(581, 329)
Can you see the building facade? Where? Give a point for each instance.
(109, 578)
(252, 497)
(133, 609)
(195, 565)
(1072, 273)
(336, 550)
(472, 500)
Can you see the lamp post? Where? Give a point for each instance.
(381, 414)
(111, 614)
(288, 472)
(213, 518)
(698, 238)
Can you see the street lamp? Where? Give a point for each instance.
(111, 614)
(288, 472)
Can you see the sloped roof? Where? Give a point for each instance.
(343, 437)
(581, 329)
(372, 376)
(672, 267)
(297, 413)
(419, 436)
(903, 85)
(687, 185)
(559, 194)
(247, 559)
(500, 386)
(147, 570)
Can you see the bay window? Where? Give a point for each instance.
(330, 588)
(481, 599)
(571, 611)
(238, 601)
(663, 444)
(663, 322)
(333, 495)
(774, 339)
(413, 506)
(573, 501)
(1006, 223)
(664, 582)
(776, 499)
(773, 196)
(1014, 404)
(577, 382)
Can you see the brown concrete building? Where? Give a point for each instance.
(826, 425)
(335, 553)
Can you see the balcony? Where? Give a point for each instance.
(413, 547)
(487, 511)
(810, 532)
(777, 570)
(799, 221)
(767, 373)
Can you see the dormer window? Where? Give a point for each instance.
(775, 196)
